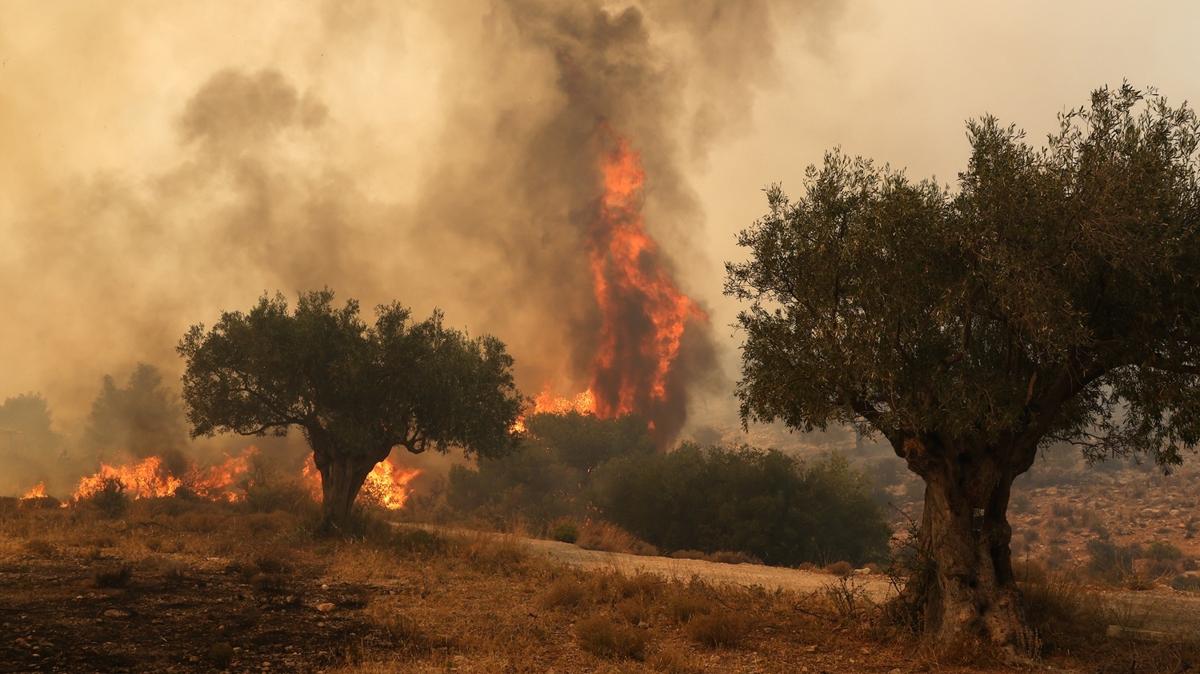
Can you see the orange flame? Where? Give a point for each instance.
(148, 478)
(387, 485)
(625, 272)
(144, 479)
(38, 491)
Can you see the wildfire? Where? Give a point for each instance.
(386, 485)
(38, 491)
(148, 478)
(632, 287)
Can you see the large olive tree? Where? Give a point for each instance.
(356, 391)
(1053, 296)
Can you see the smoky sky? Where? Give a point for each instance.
(441, 154)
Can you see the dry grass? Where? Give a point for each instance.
(606, 537)
(606, 638)
(419, 601)
(719, 629)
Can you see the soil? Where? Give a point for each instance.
(53, 618)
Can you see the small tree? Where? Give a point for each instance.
(355, 391)
(143, 418)
(1054, 297)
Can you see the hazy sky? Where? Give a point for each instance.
(108, 148)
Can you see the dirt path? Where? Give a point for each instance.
(1153, 614)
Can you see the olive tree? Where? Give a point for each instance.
(1054, 296)
(355, 391)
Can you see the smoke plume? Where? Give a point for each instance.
(446, 154)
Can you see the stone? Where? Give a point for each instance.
(115, 613)
(325, 607)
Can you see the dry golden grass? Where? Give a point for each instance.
(421, 601)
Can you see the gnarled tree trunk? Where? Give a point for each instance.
(342, 476)
(963, 589)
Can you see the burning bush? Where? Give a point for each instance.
(763, 503)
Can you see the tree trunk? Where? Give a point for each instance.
(341, 478)
(963, 589)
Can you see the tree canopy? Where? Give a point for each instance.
(1053, 296)
(356, 391)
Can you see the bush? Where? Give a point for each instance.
(1110, 561)
(608, 537)
(759, 502)
(682, 606)
(1186, 583)
(111, 500)
(719, 629)
(546, 478)
(602, 636)
(564, 531)
(566, 592)
(1161, 551)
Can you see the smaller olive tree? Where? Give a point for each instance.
(355, 391)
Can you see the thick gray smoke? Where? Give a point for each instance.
(471, 182)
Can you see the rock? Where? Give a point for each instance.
(115, 613)
(325, 607)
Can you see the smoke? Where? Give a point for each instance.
(445, 154)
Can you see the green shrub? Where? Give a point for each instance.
(564, 531)
(1162, 551)
(759, 502)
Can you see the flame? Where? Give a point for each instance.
(387, 485)
(631, 368)
(148, 478)
(38, 491)
(144, 479)
(633, 287)
(222, 481)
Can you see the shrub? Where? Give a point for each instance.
(417, 541)
(608, 537)
(1110, 561)
(719, 629)
(111, 500)
(566, 592)
(272, 496)
(732, 557)
(601, 636)
(759, 502)
(842, 569)
(564, 531)
(547, 476)
(674, 661)
(684, 605)
(1162, 551)
(1186, 583)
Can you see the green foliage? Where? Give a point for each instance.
(546, 477)
(564, 531)
(764, 503)
(1052, 296)
(352, 388)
